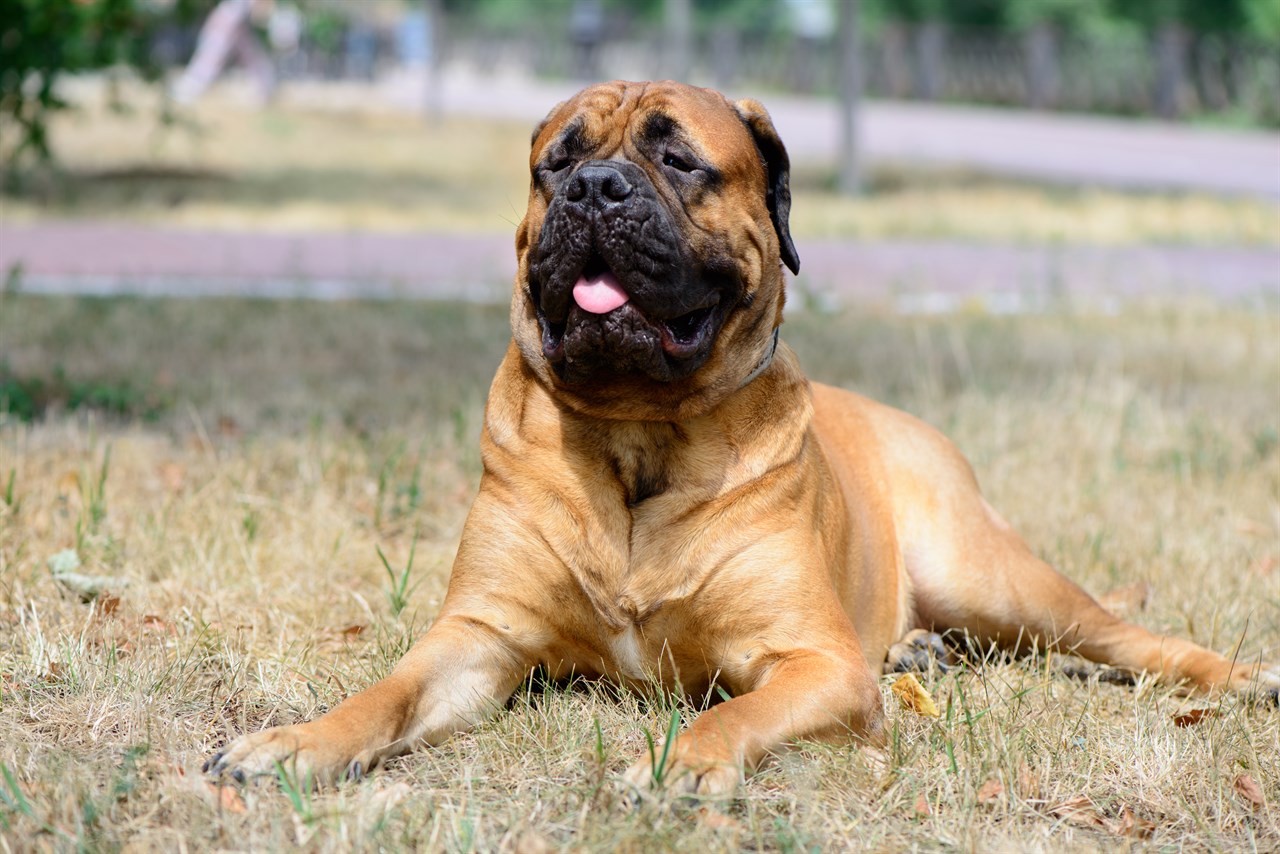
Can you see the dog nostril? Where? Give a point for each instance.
(616, 187)
(576, 190)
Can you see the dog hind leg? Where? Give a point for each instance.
(970, 571)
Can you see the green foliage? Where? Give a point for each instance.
(1256, 18)
(14, 801)
(42, 41)
(399, 591)
(300, 790)
(661, 765)
(28, 397)
(1263, 19)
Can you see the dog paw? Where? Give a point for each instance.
(304, 751)
(917, 652)
(1261, 681)
(1074, 667)
(684, 773)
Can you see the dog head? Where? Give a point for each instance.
(650, 282)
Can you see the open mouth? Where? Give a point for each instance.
(683, 335)
(600, 298)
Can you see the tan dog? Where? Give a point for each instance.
(665, 496)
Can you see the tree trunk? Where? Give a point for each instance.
(930, 42)
(679, 47)
(434, 100)
(1171, 62)
(850, 84)
(1042, 67)
(725, 51)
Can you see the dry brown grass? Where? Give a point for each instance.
(289, 168)
(302, 436)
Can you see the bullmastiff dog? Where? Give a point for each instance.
(666, 498)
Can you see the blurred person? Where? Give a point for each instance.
(229, 30)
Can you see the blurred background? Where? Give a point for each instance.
(255, 266)
(1003, 156)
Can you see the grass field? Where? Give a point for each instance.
(288, 168)
(260, 453)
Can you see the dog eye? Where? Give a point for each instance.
(677, 162)
(560, 164)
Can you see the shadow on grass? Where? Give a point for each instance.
(104, 192)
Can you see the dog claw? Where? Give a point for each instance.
(355, 771)
(629, 797)
(211, 764)
(917, 652)
(238, 776)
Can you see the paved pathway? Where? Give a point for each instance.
(97, 258)
(1054, 147)
(114, 258)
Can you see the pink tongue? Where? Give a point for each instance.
(599, 295)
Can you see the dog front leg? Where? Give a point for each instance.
(803, 695)
(457, 675)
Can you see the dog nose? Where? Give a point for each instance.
(598, 185)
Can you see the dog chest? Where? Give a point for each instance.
(625, 650)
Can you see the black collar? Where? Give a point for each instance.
(764, 363)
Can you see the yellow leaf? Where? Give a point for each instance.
(912, 695)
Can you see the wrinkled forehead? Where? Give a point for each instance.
(601, 118)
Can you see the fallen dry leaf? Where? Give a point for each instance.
(1264, 566)
(1131, 824)
(921, 807)
(55, 671)
(989, 791)
(1128, 599)
(1193, 717)
(155, 623)
(1078, 811)
(352, 630)
(107, 604)
(1028, 782)
(1081, 811)
(227, 798)
(1248, 788)
(912, 695)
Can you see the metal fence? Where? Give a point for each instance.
(1175, 74)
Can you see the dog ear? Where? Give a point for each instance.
(777, 175)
